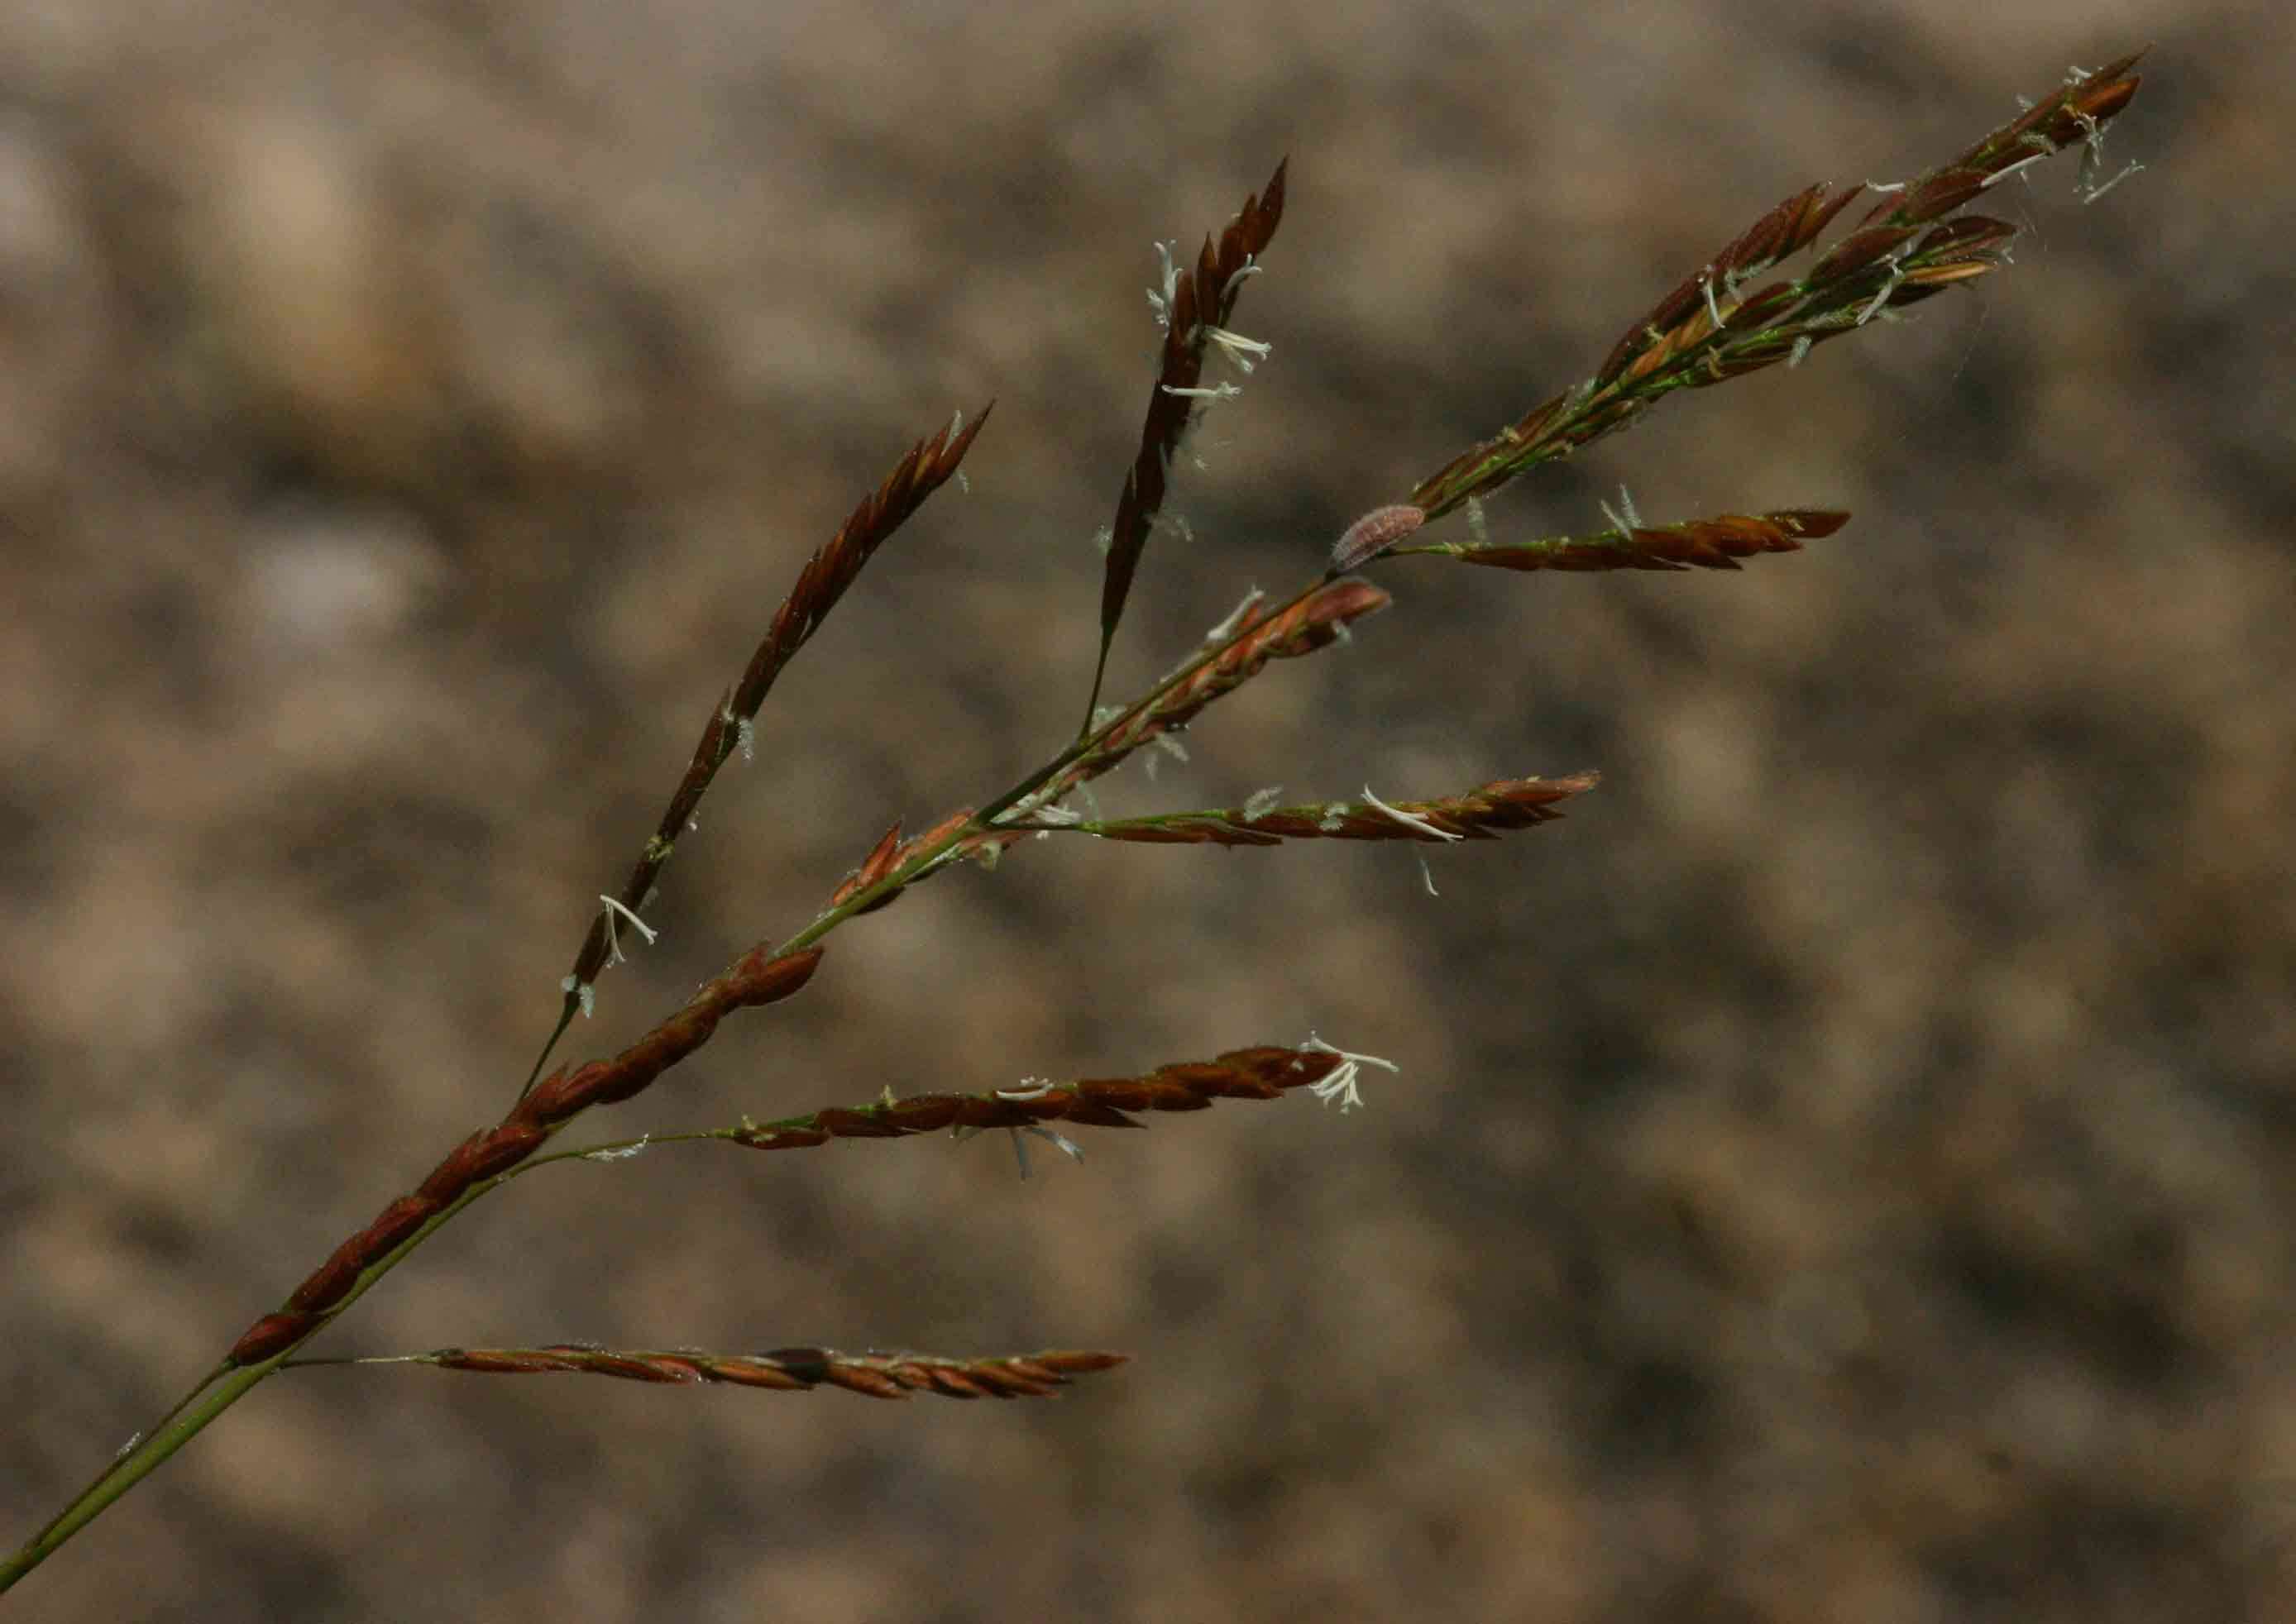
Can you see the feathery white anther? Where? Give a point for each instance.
(619, 1153)
(1061, 1142)
(746, 730)
(1713, 310)
(2003, 174)
(2095, 192)
(1245, 353)
(1875, 305)
(584, 995)
(1408, 819)
(1260, 803)
(613, 942)
(1161, 302)
(1341, 1084)
(1237, 616)
(1800, 352)
(1222, 390)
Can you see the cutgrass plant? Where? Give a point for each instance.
(1735, 314)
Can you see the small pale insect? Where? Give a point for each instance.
(1374, 534)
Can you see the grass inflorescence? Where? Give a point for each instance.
(1725, 320)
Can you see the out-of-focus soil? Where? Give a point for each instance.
(1842, 1172)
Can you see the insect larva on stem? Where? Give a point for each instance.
(1374, 534)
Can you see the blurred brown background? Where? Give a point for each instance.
(1841, 1173)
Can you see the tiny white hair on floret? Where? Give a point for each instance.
(619, 1153)
(1102, 539)
(127, 1448)
(1478, 522)
(1426, 874)
(1801, 352)
(585, 996)
(1150, 764)
(1177, 524)
(1342, 1083)
(1060, 816)
(1260, 803)
(1227, 628)
(745, 729)
(1031, 1088)
(653, 892)
(1170, 746)
(1222, 390)
(963, 484)
(615, 908)
(1245, 354)
(1408, 819)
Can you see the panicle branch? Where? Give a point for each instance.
(928, 464)
(758, 978)
(876, 1375)
(1194, 307)
(1314, 619)
(1712, 328)
(1707, 543)
(1482, 814)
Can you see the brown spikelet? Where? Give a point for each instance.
(876, 1375)
(873, 867)
(890, 855)
(928, 464)
(1241, 1073)
(1482, 814)
(1203, 297)
(1706, 544)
